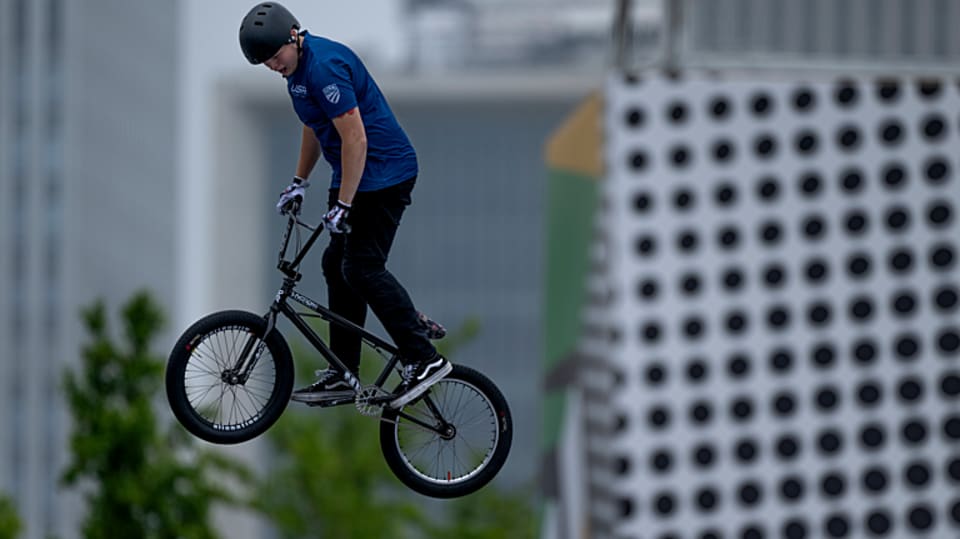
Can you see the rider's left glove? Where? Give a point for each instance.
(336, 219)
(295, 192)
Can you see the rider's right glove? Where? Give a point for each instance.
(296, 191)
(336, 219)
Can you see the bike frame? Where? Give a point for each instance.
(281, 306)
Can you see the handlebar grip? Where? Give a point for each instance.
(293, 206)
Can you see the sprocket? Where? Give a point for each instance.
(368, 393)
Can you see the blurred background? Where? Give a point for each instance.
(563, 145)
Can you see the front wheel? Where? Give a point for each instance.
(453, 440)
(212, 401)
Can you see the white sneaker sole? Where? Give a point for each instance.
(422, 387)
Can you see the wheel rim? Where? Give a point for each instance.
(225, 406)
(435, 458)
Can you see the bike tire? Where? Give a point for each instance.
(431, 473)
(209, 407)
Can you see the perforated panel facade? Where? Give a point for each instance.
(774, 327)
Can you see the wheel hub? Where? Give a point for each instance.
(448, 432)
(229, 376)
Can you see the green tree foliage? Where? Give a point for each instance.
(487, 514)
(9, 521)
(140, 478)
(329, 480)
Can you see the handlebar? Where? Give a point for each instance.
(292, 206)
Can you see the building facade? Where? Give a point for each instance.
(86, 142)
(770, 338)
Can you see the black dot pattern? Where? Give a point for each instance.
(783, 311)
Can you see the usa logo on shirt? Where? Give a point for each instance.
(299, 90)
(332, 93)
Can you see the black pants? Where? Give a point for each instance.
(354, 265)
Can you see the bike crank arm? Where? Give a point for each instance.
(331, 402)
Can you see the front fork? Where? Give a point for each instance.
(251, 352)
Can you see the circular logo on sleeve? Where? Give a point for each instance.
(332, 93)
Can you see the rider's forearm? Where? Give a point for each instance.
(309, 153)
(353, 159)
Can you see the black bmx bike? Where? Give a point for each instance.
(230, 376)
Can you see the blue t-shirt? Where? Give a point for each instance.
(330, 80)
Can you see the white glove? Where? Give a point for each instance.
(296, 191)
(336, 219)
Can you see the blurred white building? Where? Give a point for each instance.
(851, 35)
(138, 149)
(86, 146)
(572, 35)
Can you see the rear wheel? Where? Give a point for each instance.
(208, 398)
(453, 440)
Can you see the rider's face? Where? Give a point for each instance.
(285, 61)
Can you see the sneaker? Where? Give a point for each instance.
(433, 329)
(418, 378)
(329, 385)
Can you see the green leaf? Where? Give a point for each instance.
(9, 521)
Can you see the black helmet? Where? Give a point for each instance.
(264, 30)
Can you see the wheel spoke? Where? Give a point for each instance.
(431, 457)
(222, 404)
